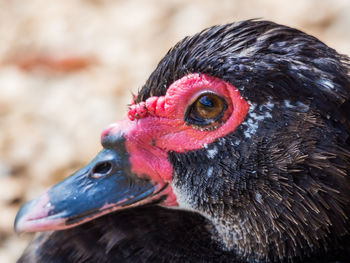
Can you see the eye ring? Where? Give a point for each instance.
(207, 109)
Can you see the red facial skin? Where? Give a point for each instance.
(157, 126)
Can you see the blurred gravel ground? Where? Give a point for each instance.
(67, 70)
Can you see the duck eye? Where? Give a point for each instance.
(207, 109)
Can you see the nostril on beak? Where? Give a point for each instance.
(101, 169)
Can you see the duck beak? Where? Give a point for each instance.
(103, 186)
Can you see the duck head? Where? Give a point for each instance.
(244, 124)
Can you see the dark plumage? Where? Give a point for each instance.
(144, 234)
(276, 189)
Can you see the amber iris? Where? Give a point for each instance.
(207, 109)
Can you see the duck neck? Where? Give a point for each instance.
(236, 234)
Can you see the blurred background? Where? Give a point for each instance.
(68, 68)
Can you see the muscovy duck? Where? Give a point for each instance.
(236, 149)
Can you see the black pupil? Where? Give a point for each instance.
(207, 101)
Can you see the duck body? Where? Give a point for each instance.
(144, 234)
(236, 149)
